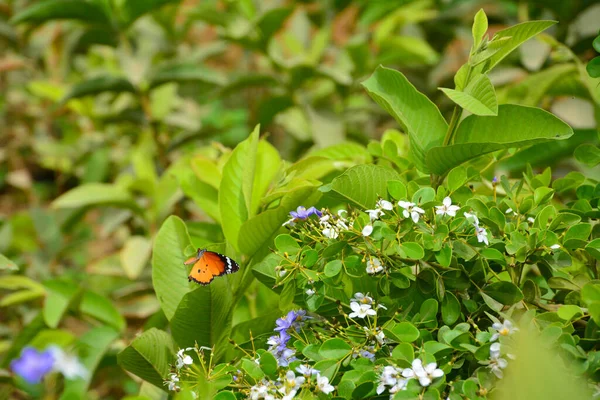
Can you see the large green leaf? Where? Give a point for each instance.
(267, 167)
(149, 356)
(516, 35)
(478, 98)
(363, 184)
(204, 316)
(132, 10)
(202, 193)
(235, 192)
(95, 194)
(44, 11)
(91, 347)
(515, 126)
(169, 275)
(424, 124)
(99, 85)
(258, 230)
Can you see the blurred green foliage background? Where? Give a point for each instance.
(118, 94)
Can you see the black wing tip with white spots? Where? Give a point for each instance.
(230, 265)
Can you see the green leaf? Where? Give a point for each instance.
(444, 256)
(185, 73)
(332, 268)
(397, 190)
(91, 347)
(480, 26)
(335, 349)
(413, 110)
(267, 167)
(577, 235)
(412, 250)
(593, 248)
(515, 126)
(257, 231)
(132, 10)
(506, 293)
(287, 244)
(95, 194)
(515, 36)
(478, 98)
(59, 295)
(588, 154)
(204, 316)
(286, 297)
(268, 364)
(135, 255)
(169, 275)
(44, 11)
(428, 312)
(7, 265)
(569, 311)
(593, 67)
(101, 308)
(235, 191)
(406, 332)
(99, 85)
(450, 309)
(363, 184)
(149, 356)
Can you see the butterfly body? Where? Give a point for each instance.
(206, 265)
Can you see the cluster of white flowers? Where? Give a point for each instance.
(362, 306)
(375, 214)
(374, 265)
(183, 360)
(411, 210)
(396, 378)
(496, 363)
(331, 225)
(288, 387)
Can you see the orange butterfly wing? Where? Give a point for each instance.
(209, 265)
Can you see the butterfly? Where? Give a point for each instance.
(208, 264)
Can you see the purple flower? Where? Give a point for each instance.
(285, 357)
(302, 213)
(285, 323)
(279, 342)
(33, 365)
(495, 180)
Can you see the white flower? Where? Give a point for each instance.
(508, 211)
(291, 384)
(361, 310)
(374, 265)
(425, 375)
(341, 212)
(172, 383)
(323, 220)
(183, 359)
(374, 214)
(331, 232)
(447, 208)
(291, 222)
(391, 376)
(555, 246)
(367, 230)
(384, 204)
(307, 370)
(473, 218)
(361, 298)
(259, 391)
(502, 329)
(496, 363)
(68, 365)
(482, 235)
(380, 337)
(411, 210)
(341, 224)
(531, 220)
(323, 384)
(310, 292)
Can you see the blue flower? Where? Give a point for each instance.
(302, 213)
(33, 365)
(285, 323)
(285, 357)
